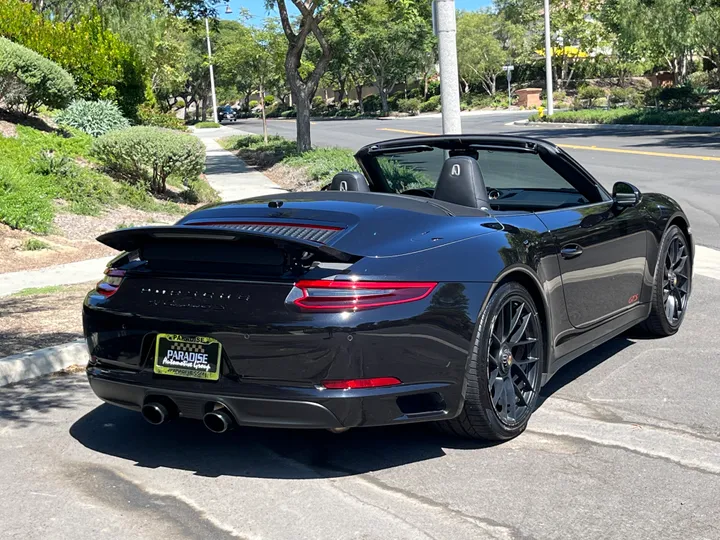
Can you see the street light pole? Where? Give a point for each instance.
(212, 74)
(444, 19)
(548, 62)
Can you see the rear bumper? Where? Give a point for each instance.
(265, 405)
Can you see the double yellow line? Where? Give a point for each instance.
(595, 148)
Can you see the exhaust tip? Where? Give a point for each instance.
(155, 413)
(218, 421)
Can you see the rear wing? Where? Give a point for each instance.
(138, 237)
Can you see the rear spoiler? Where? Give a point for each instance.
(135, 238)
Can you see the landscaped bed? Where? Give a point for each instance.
(632, 116)
(60, 188)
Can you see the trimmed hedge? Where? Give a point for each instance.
(150, 116)
(93, 117)
(27, 80)
(149, 155)
(633, 116)
(205, 125)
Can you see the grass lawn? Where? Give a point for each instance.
(632, 116)
(284, 165)
(309, 171)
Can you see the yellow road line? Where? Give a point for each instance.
(639, 152)
(406, 131)
(595, 148)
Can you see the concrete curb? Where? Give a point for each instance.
(621, 127)
(31, 364)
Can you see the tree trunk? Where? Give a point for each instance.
(262, 109)
(383, 100)
(303, 122)
(358, 91)
(425, 86)
(204, 108)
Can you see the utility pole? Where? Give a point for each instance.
(444, 27)
(548, 62)
(212, 75)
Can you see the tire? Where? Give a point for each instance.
(677, 284)
(488, 412)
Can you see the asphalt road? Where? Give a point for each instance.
(626, 444)
(685, 166)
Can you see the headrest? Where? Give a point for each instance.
(349, 181)
(461, 182)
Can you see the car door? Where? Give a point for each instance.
(602, 255)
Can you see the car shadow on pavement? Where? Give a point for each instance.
(286, 453)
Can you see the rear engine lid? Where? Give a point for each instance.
(346, 224)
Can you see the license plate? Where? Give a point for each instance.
(196, 357)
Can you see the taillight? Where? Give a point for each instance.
(352, 384)
(327, 295)
(111, 283)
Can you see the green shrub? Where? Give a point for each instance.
(104, 66)
(674, 97)
(198, 191)
(269, 100)
(590, 94)
(27, 80)
(205, 125)
(93, 117)
(431, 105)
(253, 103)
(634, 116)
(290, 113)
(149, 155)
(33, 244)
(699, 79)
(150, 116)
(318, 102)
(321, 164)
(372, 103)
(410, 105)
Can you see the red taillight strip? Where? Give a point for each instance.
(328, 295)
(111, 283)
(263, 224)
(352, 384)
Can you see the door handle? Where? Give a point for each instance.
(571, 251)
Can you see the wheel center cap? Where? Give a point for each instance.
(506, 359)
(672, 278)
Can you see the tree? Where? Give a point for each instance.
(480, 54)
(390, 37)
(312, 13)
(576, 30)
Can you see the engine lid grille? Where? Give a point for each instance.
(321, 234)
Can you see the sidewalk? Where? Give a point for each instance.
(230, 176)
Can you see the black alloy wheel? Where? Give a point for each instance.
(672, 286)
(513, 368)
(504, 368)
(676, 280)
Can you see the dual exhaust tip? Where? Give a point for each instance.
(218, 420)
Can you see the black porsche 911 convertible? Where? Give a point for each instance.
(447, 282)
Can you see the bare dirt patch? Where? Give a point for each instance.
(41, 320)
(74, 239)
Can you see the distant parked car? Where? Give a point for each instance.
(226, 113)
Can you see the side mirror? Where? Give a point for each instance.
(625, 195)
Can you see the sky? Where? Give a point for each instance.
(257, 8)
